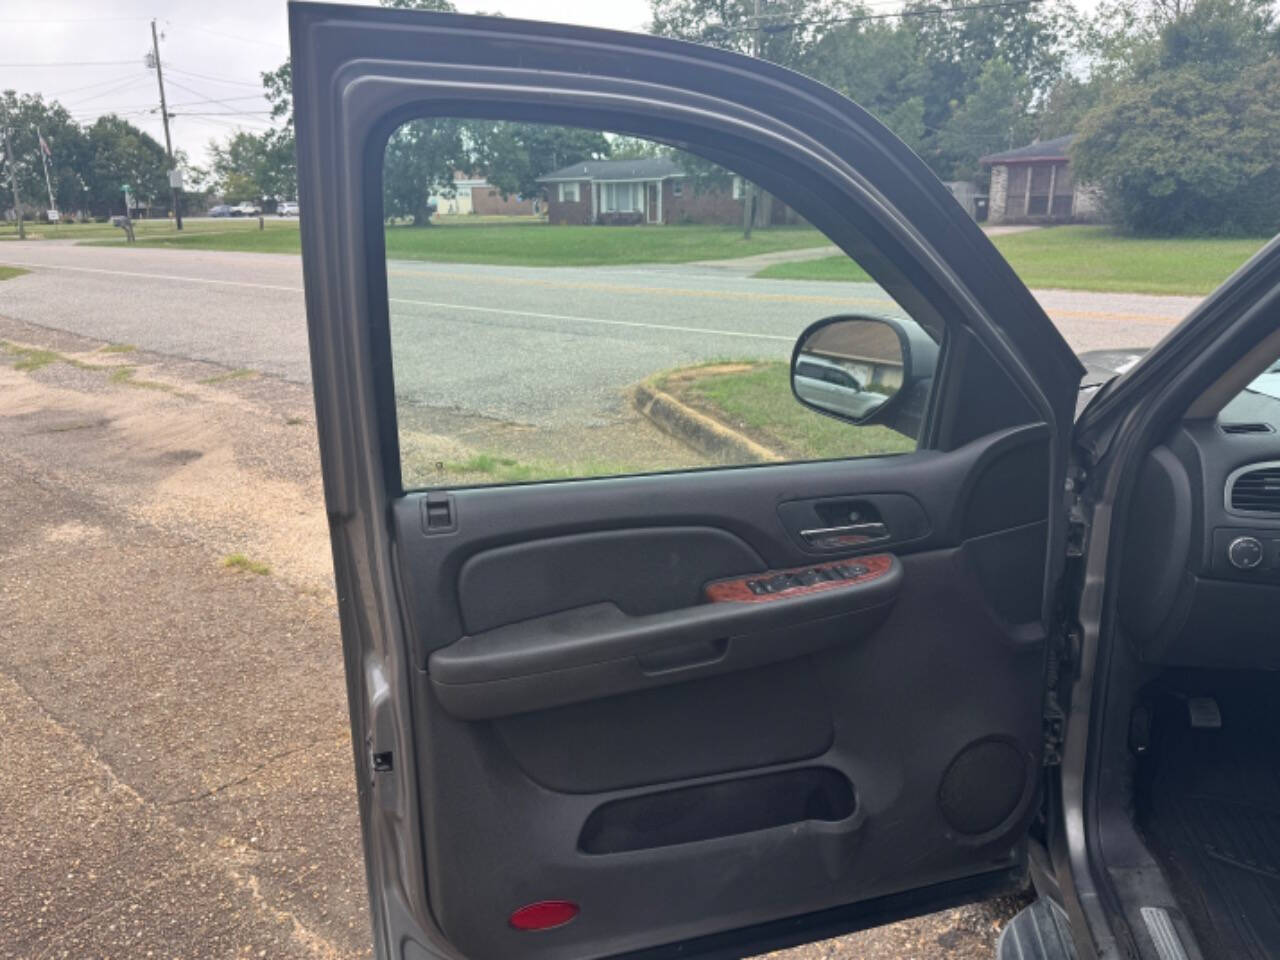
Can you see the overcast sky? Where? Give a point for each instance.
(212, 52)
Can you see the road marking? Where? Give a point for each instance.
(672, 328)
(153, 276)
(432, 303)
(1072, 314)
(756, 295)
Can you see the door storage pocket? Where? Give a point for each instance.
(722, 809)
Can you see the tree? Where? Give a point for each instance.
(1177, 155)
(68, 147)
(252, 166)
(914, 73)
(122, 154)
(420, 160)
(513, 155)
(876, 64)
(994, 117)
(786, 31)
(1189, 141)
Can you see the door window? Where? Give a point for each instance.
(528, 350)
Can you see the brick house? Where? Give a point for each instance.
(1034, 183)
(474, 194)
(644, 190)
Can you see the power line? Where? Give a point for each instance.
(778, 26)
(225, 101)
(41, 20)
(132, 81)
(91, 86)
(70, 63)
(227, 36)
(205, 76)
(185, 103)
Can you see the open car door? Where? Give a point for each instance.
(640, 714)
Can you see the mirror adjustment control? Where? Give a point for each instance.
(1245, 553)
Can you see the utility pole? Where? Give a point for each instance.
(749, 188)
(13, 181)
(164, 114)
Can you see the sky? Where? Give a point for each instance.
(88, 55)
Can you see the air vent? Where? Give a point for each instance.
(1247, 428)
(1256, 490)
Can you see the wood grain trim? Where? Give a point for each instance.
(735, 589)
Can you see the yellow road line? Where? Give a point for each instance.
(751, 295)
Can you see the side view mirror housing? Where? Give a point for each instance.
(864, 369)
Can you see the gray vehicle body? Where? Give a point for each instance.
(511, 746)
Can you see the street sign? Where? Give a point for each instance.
(124, 188)
(175, 179)
(53, 215)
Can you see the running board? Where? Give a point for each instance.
(1038, 932)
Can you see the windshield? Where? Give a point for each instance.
(1267, 383)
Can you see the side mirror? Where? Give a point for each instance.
(866, 370)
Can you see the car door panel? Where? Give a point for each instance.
(873, 752)
(899, 750)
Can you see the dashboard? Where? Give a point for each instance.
(1200, 581)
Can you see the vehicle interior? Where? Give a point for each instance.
(1188, 776)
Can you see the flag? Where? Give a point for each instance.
(44, 147)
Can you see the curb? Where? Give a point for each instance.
(697, 430)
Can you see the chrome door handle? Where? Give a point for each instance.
(852, 535)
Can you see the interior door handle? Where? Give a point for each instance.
(850, 535)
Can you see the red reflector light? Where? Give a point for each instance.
(544, 915)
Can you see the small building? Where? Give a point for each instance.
(643, 190)
(474, 194)
(967, 195)
(1035, 184)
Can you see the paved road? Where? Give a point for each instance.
(539, 346)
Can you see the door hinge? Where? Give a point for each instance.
(1053, 724)
(1053, 719)
(1077, 521)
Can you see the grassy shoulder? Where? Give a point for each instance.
(148, 230)
(1085, 258)
(756, 399)
(8, 273)
(512, 242)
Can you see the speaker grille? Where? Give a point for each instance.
(982, 786)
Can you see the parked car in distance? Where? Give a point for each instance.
(287, 208)
(246, 209)
(221, 210)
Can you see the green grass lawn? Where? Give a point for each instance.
(1086, 258)
(756, 399)
(149, 230)
(531, 243)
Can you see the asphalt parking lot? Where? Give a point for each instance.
(175, 778)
